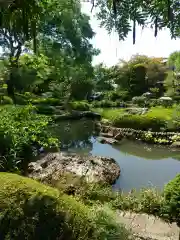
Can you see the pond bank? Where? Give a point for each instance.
(164, 138)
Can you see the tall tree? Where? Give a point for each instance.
(124, 16)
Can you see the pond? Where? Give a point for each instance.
(142, 165)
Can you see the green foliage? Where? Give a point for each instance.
(6, 100)
(174, 60)
(107, 104)
(154, 102)
(102, 78)
(137, 81)
(79, 105)
(22, 133)
(172, 201)
(31, 210)
(140, 101)
(33, 72)
(117, 95)
(46, 101)
(156, 118)
(124, 17)
(139, 122)
(138, 75)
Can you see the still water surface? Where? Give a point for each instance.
(142, 165)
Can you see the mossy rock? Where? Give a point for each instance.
(31, 210)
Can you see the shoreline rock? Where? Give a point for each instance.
(93, 169)
(162, 138)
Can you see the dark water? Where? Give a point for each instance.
(141, 165)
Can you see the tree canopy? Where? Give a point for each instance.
(123, 16)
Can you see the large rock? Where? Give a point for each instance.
(94, 169)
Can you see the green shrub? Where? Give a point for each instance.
(22, 133)
(172, 201)
(154, 102)
(7, 100)
(108, 104)
(31, 210)
(139, 122)
(116, 95)
(46, 101)
(21, 99)
(140, 101)
(79, 105)
(45, 109)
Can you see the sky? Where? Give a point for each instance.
(112, 50)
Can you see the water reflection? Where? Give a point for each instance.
(76, 135)
(141, 165)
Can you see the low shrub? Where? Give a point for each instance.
(31, 210)
(117, 95)
(140, 101)
(22, 133)
(139, 122)
(21, 99)
(46, 101)
(108, 104)
(45, 109)
(6, 100)
(154, 102)
(171, 207)
(80, 105)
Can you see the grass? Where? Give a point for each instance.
(161, 112)
(157, 118)
(109, 114)
(31, 210)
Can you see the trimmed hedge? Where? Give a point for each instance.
(139, 122)
(79, 105)
(108, 104)
(46, 101)
(31, 210)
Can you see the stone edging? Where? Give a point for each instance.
(165, 138)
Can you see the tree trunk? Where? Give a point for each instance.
(10, 86)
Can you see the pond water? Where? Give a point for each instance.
(142, 165)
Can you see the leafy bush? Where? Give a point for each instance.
(45, 109)
(117, 95)
(46, 101)
(154, 102)
(31, 210)
(79, 105)
(21, 99)
(140, 101)
(7, 100)
(22, 133)
(108, 104)
(139, 122)
(172, 201)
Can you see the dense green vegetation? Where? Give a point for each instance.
(31, 210)
(46, 70)
(22, 134)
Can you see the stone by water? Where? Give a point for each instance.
(142, 165)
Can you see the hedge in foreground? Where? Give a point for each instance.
(31, 210)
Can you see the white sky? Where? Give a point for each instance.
(112, 49)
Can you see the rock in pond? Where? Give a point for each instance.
(107, 140)
(94, 169)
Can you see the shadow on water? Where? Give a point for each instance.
(142, 165)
